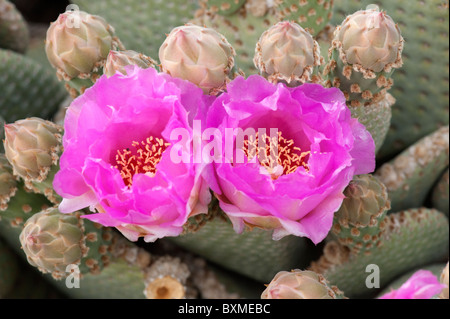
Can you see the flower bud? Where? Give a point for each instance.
(8, 183)
(359, 222)
(371, 39)
(32, 146)
(118, 60)
(199, 55)
(287, 52)
(78, 43)
(298, 284)
(52, 241)
(365, 198)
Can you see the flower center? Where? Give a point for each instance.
(277, 155)
(142, 159)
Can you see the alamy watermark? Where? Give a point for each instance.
(373, 279)
(210, 145)
(73, 279)
(74, 19)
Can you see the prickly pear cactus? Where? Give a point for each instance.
(73, 217)
(14, 34)
(312, 15)
(219, 243)
(440, 194)
(420, 236)
(142, 25)
(222, 7)
(243, 30)
(411, 175)
(421, 85)
(27, 88)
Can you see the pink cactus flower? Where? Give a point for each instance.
(116, 157)
(320, 148)
(421, 285)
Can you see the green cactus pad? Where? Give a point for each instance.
(421, 86)
(242, 30)
(367, 90)
(14, 34)
(223, 7)
(440, 194)
(253, 253)
(8, 269)
(411, 175)
(22, 206)
(241, 285)
(141, 25)
(46, 187)
(413, 238)
(98, 240)
(119, 280)
(312, 15)
(27, 89)
(376, 117)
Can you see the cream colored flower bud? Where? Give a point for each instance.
(32, 146)
(371, 38)
(78, 43)
(52, 241)
(366, 198)
(199, 55)
(287, 52)
(118, 60)
(8, 183)
(298, 284)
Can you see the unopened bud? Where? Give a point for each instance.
(78, 44)
(371, 39)
(199, 55)
(298, 284)
(287, 52)
(118, 60)
(32, 146)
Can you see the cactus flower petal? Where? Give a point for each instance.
(421, 285)
(320, 149)
(117, 154)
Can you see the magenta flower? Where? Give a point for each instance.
(117, 159)
(320, 149)
(421, 285)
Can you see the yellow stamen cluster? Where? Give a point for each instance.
(142, 160)
(276, 152)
